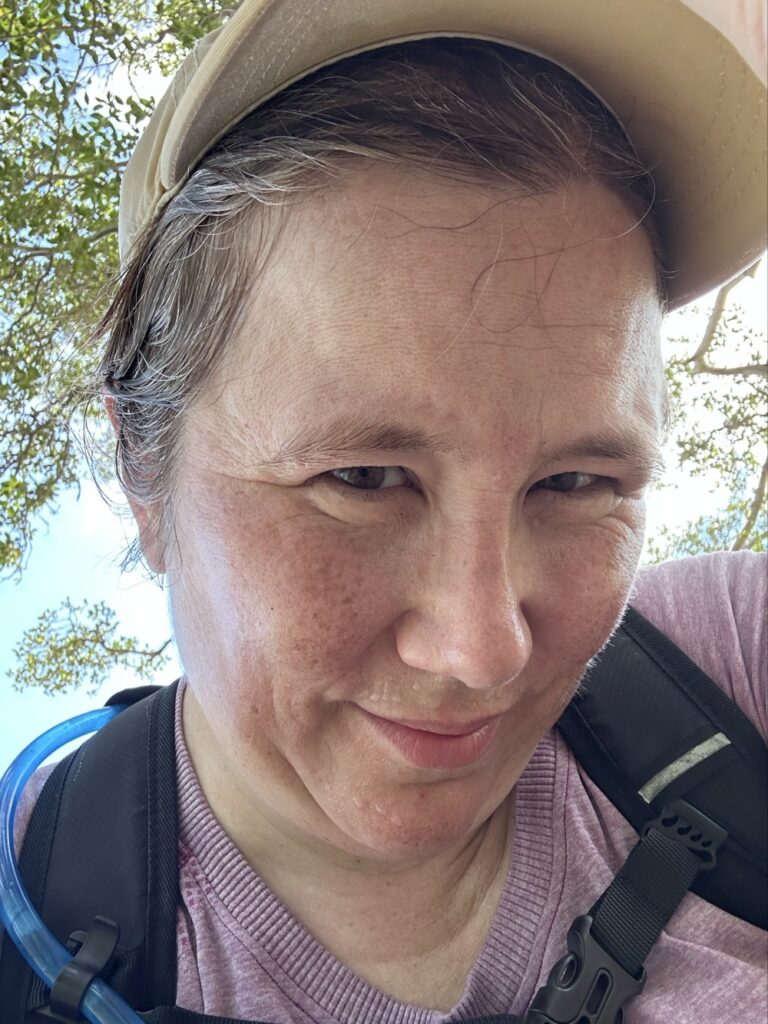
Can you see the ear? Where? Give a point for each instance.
(147, 516)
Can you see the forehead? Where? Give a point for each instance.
(406, 289)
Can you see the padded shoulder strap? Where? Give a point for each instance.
(649, 726)
(102, 840)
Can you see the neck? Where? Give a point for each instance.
(383, 918)
(408, 908)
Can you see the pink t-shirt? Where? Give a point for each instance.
(242, 954)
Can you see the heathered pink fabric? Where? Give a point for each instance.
(242, 954)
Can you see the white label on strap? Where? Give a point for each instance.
(687, 760)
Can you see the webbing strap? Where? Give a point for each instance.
(629, 916)
(603, 969)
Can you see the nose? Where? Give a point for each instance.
(466, 619)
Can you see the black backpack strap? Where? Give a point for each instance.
(659, 738)
(649, 727)
(102, 841)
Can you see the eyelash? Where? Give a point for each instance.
(376, 494)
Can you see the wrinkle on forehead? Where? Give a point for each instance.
(368, 226)
(360, 293)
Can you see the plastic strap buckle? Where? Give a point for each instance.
(691, 829)
(96, 951)
(586, 986)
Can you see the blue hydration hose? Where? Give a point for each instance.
(46, 956)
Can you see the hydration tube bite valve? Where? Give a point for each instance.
(76, 990)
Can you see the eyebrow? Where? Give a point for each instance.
(613, 444)
(343, 437)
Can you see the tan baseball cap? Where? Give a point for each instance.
(688, 100)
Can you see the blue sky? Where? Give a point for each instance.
(77, 555)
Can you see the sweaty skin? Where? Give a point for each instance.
(474, 575)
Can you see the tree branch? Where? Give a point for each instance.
(698, 360)
(754, 511)
(136, 651)
(28, 252)
(110, 229)
(758, 369)
(87, 175)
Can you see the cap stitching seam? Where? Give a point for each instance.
(723, 147)
(289, 38)
(707, 134)
(755, 167)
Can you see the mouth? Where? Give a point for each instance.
(445, 728)
(431, 744)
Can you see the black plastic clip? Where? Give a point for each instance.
(96, 951)
(586, 986)
(692, 829)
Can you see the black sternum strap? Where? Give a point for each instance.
(630, 915)
(603, 969)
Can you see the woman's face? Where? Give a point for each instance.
(413, 492)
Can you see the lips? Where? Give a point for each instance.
(442, 745)
(440, 728)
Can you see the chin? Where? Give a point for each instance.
(426, 822)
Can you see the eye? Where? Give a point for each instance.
(567, 483)
(368, 478)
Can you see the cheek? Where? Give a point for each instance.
(585, 581)
(292, 597)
